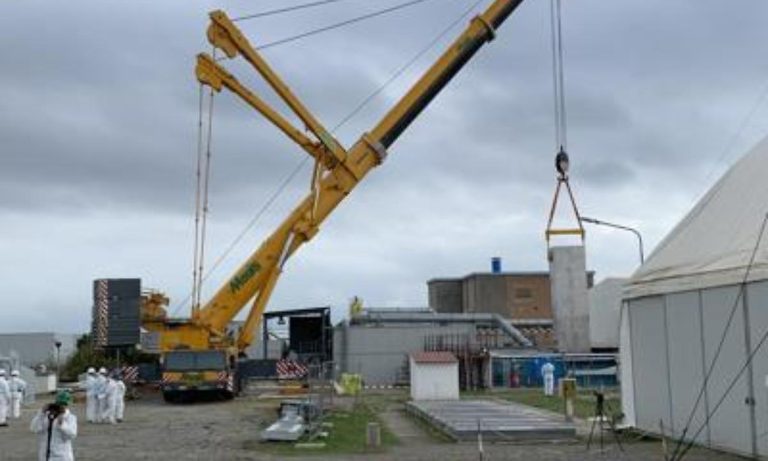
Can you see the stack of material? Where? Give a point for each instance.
(116, 312)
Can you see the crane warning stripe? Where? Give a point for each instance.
(290, 369)
(102, 314)
(130, 374)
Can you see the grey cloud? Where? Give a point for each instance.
(98, 113)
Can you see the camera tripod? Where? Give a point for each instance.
(600, 416)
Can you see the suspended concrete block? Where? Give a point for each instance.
(570, 302)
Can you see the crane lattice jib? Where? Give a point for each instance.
(337, 170)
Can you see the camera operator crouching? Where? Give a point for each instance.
(56, 427)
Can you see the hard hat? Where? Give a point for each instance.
(102, 371)
(15, 373)
(91, 370)
(63, 398)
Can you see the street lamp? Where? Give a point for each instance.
(58, 361)
(619, 226)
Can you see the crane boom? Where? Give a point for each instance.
(337, 171)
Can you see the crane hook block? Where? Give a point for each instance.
(562, 164)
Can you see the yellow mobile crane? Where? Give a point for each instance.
(197, 353)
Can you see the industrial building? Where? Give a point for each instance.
(513, 295)
(377, 342)
(695, 319)
(528, 296)
(35, 349)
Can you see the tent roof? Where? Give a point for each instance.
(713, 244)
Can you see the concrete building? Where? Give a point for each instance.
(697, 308)
(377, 343)
(513, 295)
(434, 376)
(34, 349)
(509, 294)
(604, 314)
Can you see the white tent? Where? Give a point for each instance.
(675, 311)
(713, 244)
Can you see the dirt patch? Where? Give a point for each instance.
(155, 430)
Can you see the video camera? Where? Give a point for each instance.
(54, 410)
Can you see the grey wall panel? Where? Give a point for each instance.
(757, 299)
(446, 295)
(649, 363)
(730, 424)
(685, 360)
(491, 295)
(380, 353)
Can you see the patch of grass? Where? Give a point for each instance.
(347, 436)
(583, 405)
(379, 402)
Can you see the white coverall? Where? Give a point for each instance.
(64, 430)
(5, 400)
(101, 397)
(119, 404)
(91, 402)
(18, 388)
(548, 373)
(110, 394)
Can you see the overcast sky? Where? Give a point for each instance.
(98, 113)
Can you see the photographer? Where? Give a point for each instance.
(56, 427)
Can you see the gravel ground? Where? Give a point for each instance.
(154, 430)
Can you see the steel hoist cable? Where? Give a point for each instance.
(286, 9)
(340, 24)
(562, 161)
(202, 175)
(198, 175)
(558, 75)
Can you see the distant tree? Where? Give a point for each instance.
(85, 356)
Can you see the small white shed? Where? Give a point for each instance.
(434, 376)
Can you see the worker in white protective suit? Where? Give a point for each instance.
(119, 404)
(55, 427)
(101, 394)
(548, 374)
(18, 389)
(110, 394)
(5, 399)
(91, 401)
